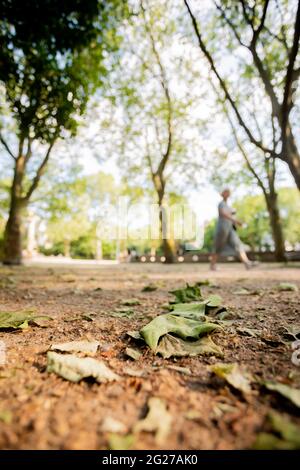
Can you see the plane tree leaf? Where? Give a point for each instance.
(287, 286)
(292, 394)
(195, 310)
(182, 327)
(74, 368)
(158, 420)
(118, 442)
(88, 347)
(18, 319)
(233, 375)
(281, 425)
(170, 346)
(187, 294)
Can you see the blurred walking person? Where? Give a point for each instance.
(227, 241)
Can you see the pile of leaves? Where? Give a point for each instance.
(186, 329)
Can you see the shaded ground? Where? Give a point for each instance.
(48, 412)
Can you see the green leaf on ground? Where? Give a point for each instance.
(87, 317)
(135, 335)
(75, 368)
(182, 327)
(133, 353)
(122, 313)
(130, 302)
(233, 375)
(287, 286)
(213, 301)
(171, 346)
(149, 288)
(195, 310)
(158, 420)
(18, 319)
(245, 291)
(248, 332)
(187, 294)
(203, 282)
(288, 431)
(6, 416)
(292, 331)
(119, 442)
(88, 347)
(292, 394)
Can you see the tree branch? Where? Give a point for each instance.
(230, 24)
(223, 85)
(39, 173)
(290, 79)
(6, 146)
(165, 86)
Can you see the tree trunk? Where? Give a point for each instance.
(293, 161)
(12, 233)
(67, 248)
(276, 227)
(166, 243)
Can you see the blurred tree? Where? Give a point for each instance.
(51, 60)
(262, 39)
(253, 211)
(152, 127)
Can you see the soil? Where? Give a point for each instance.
(48, 412)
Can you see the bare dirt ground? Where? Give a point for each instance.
(48, 412)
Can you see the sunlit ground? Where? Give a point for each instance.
(42, 410)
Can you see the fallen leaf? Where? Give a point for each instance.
(182, 327)
(75, 368)
(286, 391)
(158, 420)
(245, 291)
(133, 372)
(233, 375)
(18, 319)
(133, 353)
(187, 294)
(213, 301)
(6, 416)
(113, 425)
(122, 313)
(149, 288)
(135, 335)
(119, 442)
(130, 302)
(248, 332)
(292, 331)
(88, 347)
(288, 431)
(87, 317)
(195, 310)
(287, 286)
(181, 370)
(171, 346)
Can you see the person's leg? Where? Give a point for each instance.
(235, 242)
(244, 258)
(213, 261)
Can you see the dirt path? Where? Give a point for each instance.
(39, 410)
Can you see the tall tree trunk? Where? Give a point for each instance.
(67, 248)
(293, 160)
(276, 227)
(12, 233)
(163, 222)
